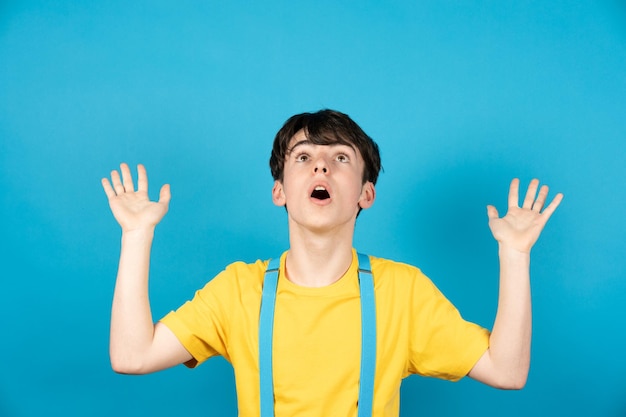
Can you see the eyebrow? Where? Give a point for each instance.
(309, 142)
(302, 142)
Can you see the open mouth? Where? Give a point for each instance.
(320, 193)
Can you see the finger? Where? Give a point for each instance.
(514, 193)
(127, 178)
(142, 178)
(492, 212)
(530, 194)
(541, 198)
(552, 206)
(117, 183)
(108, 190)
(165, 195)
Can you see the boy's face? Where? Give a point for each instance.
(322, 184)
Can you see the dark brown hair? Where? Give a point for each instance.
(326, 127)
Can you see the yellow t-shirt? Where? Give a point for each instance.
(317, 337)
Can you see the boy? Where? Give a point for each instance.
(325, 169)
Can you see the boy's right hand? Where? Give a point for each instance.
(132, 209)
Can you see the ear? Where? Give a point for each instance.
(278, 195)
(368, 195)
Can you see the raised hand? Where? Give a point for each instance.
(520, 228)
(132, 209)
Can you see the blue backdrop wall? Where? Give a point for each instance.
(461, 97)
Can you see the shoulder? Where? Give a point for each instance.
(238, 276)
(401, 277)
(240, 268)
(389, 269)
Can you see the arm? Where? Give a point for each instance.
(505, 364)
(136, 345)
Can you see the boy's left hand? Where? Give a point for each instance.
(520, 228)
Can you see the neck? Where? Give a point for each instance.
(318, 260)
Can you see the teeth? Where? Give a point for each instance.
(319, 188)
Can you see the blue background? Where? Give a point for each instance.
(460, 96)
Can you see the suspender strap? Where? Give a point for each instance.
(266, 333)
(368, 337)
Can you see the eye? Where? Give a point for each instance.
(302, 157)
(343, 158)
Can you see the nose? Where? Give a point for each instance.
(320, 166)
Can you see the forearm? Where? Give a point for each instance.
(132, 328)
(510, 339)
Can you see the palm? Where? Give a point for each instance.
(521, 226)
(133, 209)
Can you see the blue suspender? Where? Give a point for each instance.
(368, 337)
(266, 333)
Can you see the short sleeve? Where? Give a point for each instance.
(442, 343)
(201, 324)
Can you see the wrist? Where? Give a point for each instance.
(514, 270)
(512, 253)
(138, 235)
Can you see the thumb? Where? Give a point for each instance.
(492, 212)
(165, 194)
